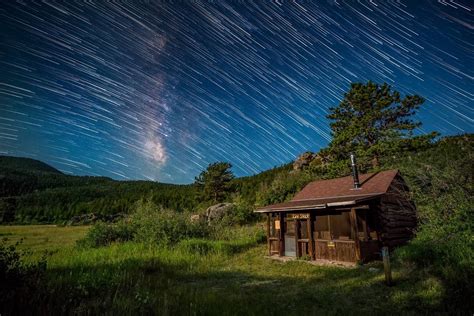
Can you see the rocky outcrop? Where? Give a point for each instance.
(309, 159)
(218, 211)
(303, 160)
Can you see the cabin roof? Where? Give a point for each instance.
(336, 192)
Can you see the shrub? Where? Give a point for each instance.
(153, 224)
(18, 280)
(102, 234)
(240, 214)
(442, 184)
(444, 244)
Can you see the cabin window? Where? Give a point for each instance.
(321, 227)
(340, 226)
(334, 226)
(304, 229)
(289, 227)
(366, 225)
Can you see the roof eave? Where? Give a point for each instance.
(302, 208)
(317, 206)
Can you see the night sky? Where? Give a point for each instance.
(158, 90)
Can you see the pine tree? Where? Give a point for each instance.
(215, 181)
(373, 120)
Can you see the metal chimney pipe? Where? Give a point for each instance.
(355, 172)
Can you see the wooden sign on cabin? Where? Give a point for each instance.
(277, 224)
(299, 216)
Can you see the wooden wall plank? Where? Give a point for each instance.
(355, 229)
(282, 234)
(269, 242)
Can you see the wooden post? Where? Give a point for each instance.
(297, 236)
(313, 222)
(282, 234)
(309, 225)
(269, 243)
(364, 226)
(355, 231)
(386, 265)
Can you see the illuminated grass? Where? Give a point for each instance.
(132, 278)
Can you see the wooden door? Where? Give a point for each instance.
(303, 238)
(290, 238)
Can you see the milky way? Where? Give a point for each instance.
(157, 90)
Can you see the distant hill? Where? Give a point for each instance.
(32, 191)
(21, 164)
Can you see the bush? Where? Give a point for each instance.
(18, 280)
(153, 224)
(148, 224)
(241, 213)
(444, 244)
(442, 184)
(102, 234)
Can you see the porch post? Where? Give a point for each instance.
(364, 226)
(310, 236)
(355, 231)
(282, 234)
(297, 237)
(269, 243)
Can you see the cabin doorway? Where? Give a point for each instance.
(290, 237)
(296, 237)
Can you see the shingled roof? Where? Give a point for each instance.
(336, 192)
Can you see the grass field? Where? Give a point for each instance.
(40, 238)
(133, 278)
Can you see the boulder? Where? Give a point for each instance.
(303, 160)
(310, 159)
(218, 211)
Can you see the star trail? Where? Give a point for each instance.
(157, 90)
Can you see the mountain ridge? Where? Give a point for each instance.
(25, 164)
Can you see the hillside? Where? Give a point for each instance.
(20, 164)
(31, 191)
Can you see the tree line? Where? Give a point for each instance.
(372, 120)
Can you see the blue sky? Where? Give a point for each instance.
(159, 90)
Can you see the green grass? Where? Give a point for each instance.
(233, 278)
(40, 238)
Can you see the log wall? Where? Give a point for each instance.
(396, 215)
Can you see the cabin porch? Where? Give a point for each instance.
(344, 235)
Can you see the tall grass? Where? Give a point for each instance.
(231, 276)
(442, 186)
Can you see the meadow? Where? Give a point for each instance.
(197, 278)
(155, 261)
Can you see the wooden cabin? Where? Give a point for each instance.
(346, 219)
